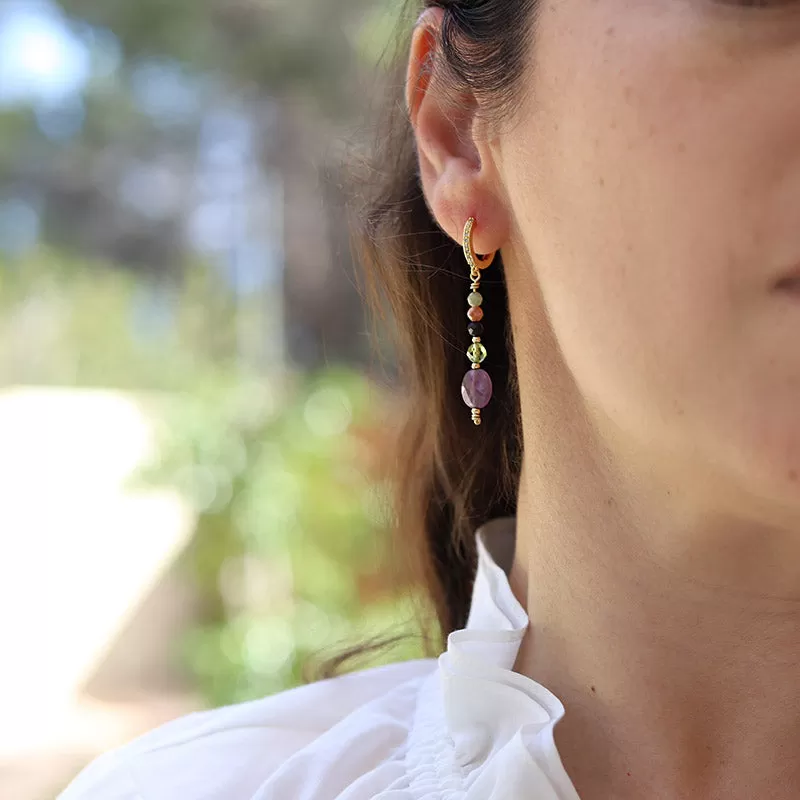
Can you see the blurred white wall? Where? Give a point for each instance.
(85, 562)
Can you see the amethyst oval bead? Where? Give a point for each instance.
(476, 388)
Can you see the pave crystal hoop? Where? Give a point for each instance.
(476, 388)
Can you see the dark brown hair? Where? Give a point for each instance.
(451, 476)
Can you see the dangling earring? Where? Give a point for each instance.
(476, 388)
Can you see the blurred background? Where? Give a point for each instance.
(193, 421)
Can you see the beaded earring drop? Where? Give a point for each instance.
(476, 388)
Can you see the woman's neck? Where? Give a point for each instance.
(669, 629)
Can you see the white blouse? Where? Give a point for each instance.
(465, 727)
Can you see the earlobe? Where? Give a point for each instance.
(454, 178)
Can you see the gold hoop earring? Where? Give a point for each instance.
(476, 388)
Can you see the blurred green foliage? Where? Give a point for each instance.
(292, 557)
(284, 46)
(293, 554)
(293, 550)
(68, 320)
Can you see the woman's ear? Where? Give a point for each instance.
(455, 178)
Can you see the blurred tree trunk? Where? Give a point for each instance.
(324, 313)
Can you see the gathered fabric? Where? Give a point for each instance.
(462, 727)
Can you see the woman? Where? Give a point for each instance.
(637, 165)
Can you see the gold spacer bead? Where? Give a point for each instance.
(476, 416)
(476, 366)
(476, 339)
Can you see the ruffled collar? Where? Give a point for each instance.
(501, 722)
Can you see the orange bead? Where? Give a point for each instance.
(475, 314)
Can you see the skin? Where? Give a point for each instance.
(645, 194)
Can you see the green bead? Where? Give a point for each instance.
(477, 353)
(475, 299)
